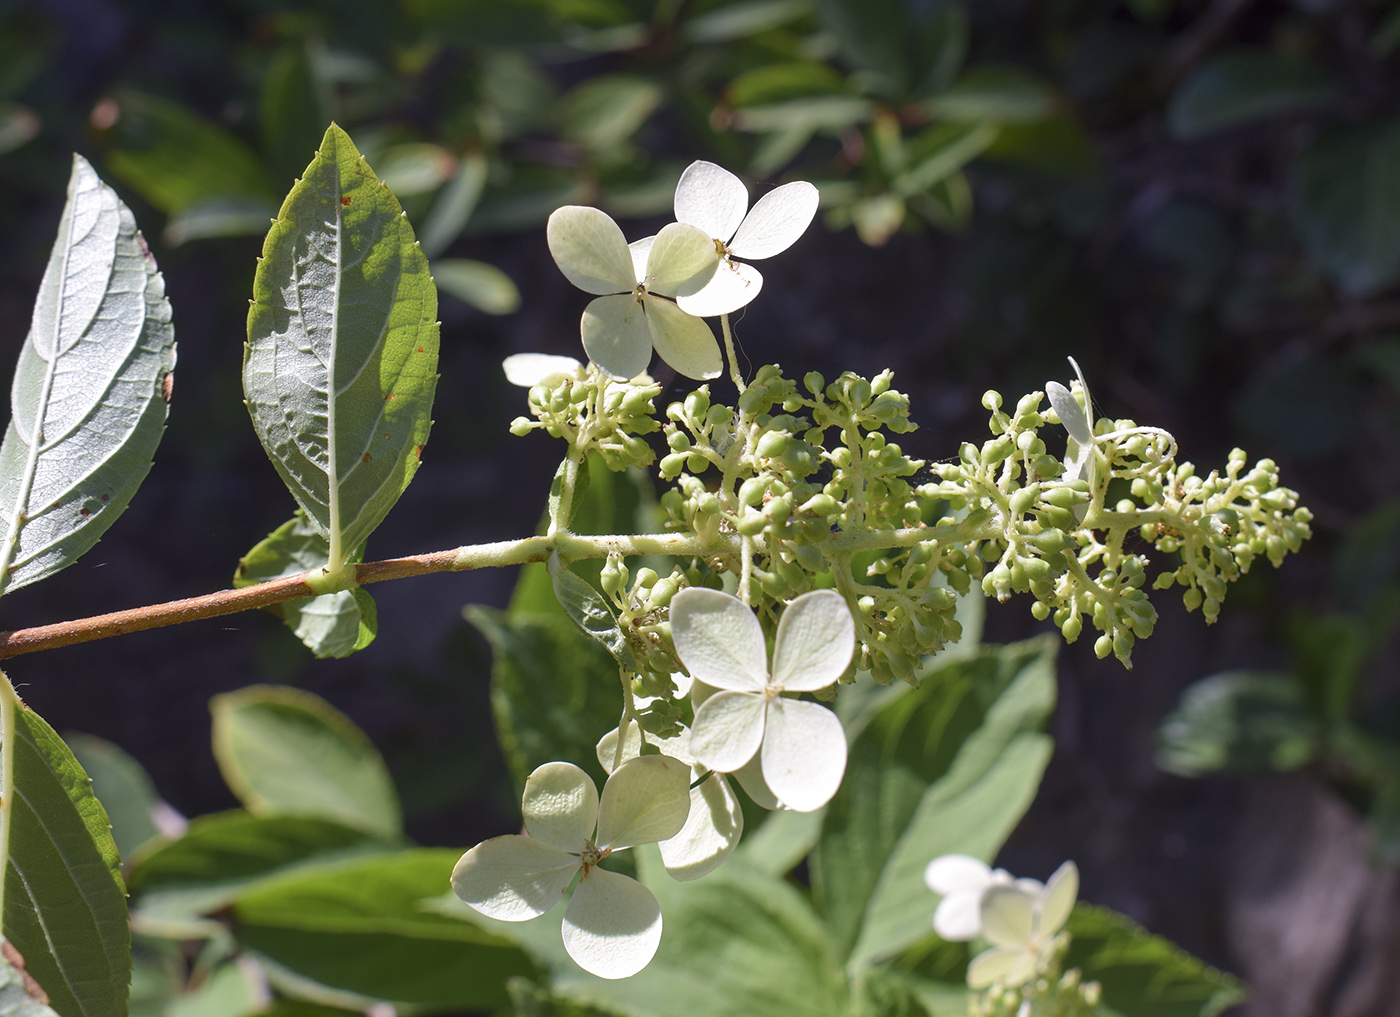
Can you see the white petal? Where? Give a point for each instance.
(728, 730)
(815, 641)
(612, 925)
(590, 250)
(958, 917)
(682, 259)
(1071, 414)
(804, 753)
(640, 251)
(560, 806)
(646, 799)
(750, 778)
(527, 369)
(733, 286)
(679, 746)
(1014, 967)
(776, 221)
(513, 878)
(1061, 891)
(719, 640)
(684, 342)
(712, 198)
(1008, 916)
(1034, 887)
(616, 335)
(710, 833)
(956, 873)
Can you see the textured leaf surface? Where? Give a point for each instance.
(331, 625)
(64, 903)
(949, 767)
(87, 405)
(123, 787)
(287, 752)
(1144, 975)
(369, 927)
(341, 360)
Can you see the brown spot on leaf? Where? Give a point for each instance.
(421, 350)
(366, 457)
(386, 437)
(106, 497)
(84, 511)
(167, 386)
(391, 397)
(32, 989)
(418, 452)
(345, 199)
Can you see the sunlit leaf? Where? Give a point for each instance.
(283, 751)
(87, 402)
(341, 360)
(331, 625)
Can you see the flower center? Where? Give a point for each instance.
(591, 856)
(772, 691)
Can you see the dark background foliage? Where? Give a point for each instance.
(1198, 199)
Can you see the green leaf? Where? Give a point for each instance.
(1244, 86)
(743, 19)
(941, 151)
(605, 111)
(87, 401)
(217, 217)
(365, 926)
(770, 83)
(483, 286)
(341, 360)
(20, 995)
(590, 612)
(123, 787)
(223, 854)
(948, 767)
(1000, 92)
(899, 52)
(291, 109)
(1144, 975)
(1346, 204)
(818, 113)
(454, 206)
(229, 991)
(64, 905)
(416, 167)
(175, 159)
(736, 942)
(332, 624)
(1238, 721)
(1057, 144)
(554, 691)
(283, 751)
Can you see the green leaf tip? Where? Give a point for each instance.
(341, 361)
(90, 390)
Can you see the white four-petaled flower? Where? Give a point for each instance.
(800, 747)
(715, 200)
(716, 821)
(632, 313)
(613, 924)
(963, 880)
(1021, 926)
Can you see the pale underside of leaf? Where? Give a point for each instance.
(340, 366)
(87, 401)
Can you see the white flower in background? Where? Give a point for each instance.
(1021, 926)
(963, 880)
(716, 822)
(632, 314)
(712, 198)
(800, 746)
(530, 369)
(613, 924)
(1078, 421)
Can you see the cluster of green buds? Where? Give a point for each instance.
(642, 600)
(1052, 533)
(615, 413)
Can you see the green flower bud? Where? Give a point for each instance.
(678, 441)
(1071, 628)
(1103, 646)
(751, 523)
(671, 466)
(774, 443)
